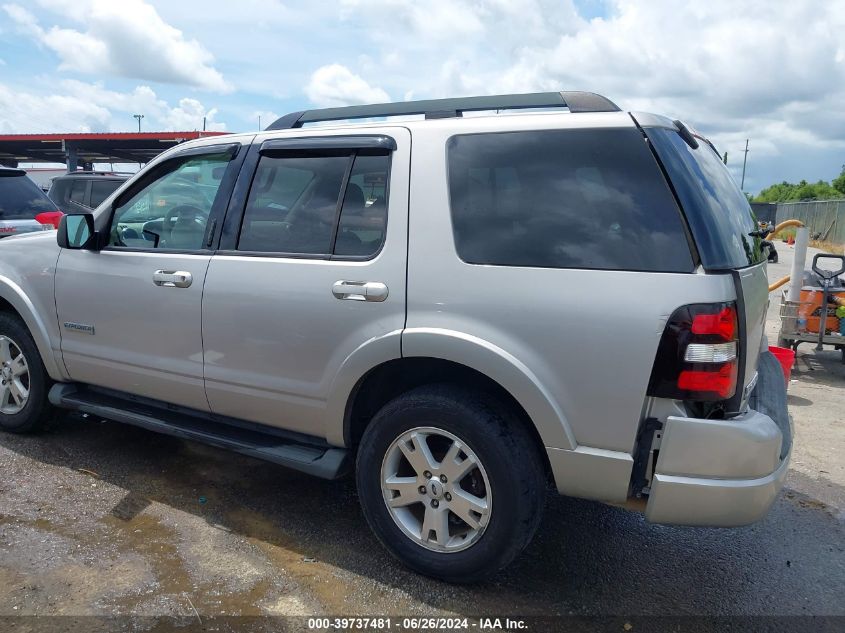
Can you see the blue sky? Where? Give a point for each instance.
(734, 70)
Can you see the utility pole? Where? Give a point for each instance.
(744, 161)
(259, 122)
(139, 117)
(203, 124)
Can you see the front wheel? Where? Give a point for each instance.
(451, 482)
(24, 382)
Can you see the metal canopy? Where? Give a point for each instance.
(87, 148)
(446, 108)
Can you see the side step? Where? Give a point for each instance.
(312, 457)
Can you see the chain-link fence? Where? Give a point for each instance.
(825, 219)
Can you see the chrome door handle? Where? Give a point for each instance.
(172, 278)
(359, 290)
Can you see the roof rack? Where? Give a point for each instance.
(448, 108)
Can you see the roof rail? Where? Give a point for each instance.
(94, 172)
(448, 108)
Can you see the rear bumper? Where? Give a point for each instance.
(720, 473)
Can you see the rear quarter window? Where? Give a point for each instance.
(591, 199)
(21, 199)
(718, 213)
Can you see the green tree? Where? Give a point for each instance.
(839, 182)
(775, 193)
(788, 192)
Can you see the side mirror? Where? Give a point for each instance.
(76, 231)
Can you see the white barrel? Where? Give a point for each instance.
(802, 239)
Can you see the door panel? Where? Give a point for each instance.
(277, 328)
(146, 338)
(130, 314)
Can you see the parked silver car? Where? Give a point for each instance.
(462, 309)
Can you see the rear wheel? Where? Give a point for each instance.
(24, 382)
(450, 482)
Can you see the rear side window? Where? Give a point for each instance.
(363, 218)
(591, 199)
(102, 189)
(21, 199)
(309, 204)
(718, 213)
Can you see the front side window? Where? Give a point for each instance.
(564, 199)
(304, 204)
(172, 211)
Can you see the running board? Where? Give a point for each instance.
(315, 459)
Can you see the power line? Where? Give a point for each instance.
(744, 161)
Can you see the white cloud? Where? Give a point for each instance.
(336, 85)
(770, 71)
(124, 39)
(84, 107)
(23, 18)
(773, 72)
(189, 115)
(22, 112)
(434, 21)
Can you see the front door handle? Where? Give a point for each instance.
(172, 278)
(359, 290)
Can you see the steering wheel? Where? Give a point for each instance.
(171, 217)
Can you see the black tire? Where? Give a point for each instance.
(37, 410)
(511, 459)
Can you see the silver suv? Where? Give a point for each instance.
(461, 309)
(83, 190)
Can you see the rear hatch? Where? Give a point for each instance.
(21, 201)
(722, 224)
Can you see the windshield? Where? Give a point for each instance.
(21, 199)
(717, 211)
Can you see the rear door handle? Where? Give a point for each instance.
(359, 290)
(172, 278)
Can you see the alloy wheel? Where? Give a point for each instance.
(436, 489)
(14, 377)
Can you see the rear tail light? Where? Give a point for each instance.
(697, 358)
(722, 323)
(50, 219)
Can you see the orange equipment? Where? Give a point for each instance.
(810, 309)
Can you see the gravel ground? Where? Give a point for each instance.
(97, 518)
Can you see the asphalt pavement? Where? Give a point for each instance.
(97, 518)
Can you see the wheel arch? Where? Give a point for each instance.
(14, 300)
(462, 356)
(392, 378)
